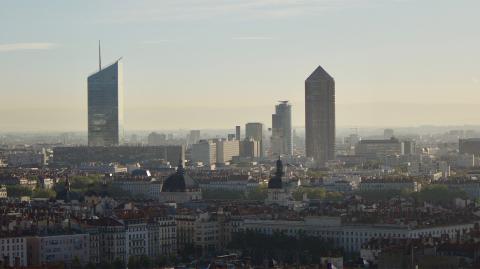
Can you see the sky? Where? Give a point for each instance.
(193, 64)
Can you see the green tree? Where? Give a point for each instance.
(259, 193)
(18, 191)
(118, 264)
(43, 193)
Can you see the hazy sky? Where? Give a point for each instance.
(214, 64)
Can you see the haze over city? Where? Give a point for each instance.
(207, 64)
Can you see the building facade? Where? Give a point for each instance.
(320, 117)
(282, 130)
(254, 130)
(105, 106)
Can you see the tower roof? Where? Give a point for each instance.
(276, 181)
(319, 73)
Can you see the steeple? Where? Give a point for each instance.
(180, 169)
(279, 172)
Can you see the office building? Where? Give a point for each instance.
(156, 139)
(254, 130)
(379, 148)
(74, 156)
(388, 133)
(193, 137)
(320, 117)
(226, 150)
(205, 151)
(469, 146)
(237, 132)
(250, 148)
(409, 147)
(282, 130)
(105, 106)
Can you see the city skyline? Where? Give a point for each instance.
(266, 48)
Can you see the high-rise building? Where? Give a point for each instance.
(388, 133)
(226, 150)
(320, 116)
(205, 151)
(237, 132)
(282, 130)
(254, 130)
(194, 137)
(105, 105)
(156, 139)
(250, 148)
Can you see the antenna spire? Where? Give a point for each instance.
(99, 57)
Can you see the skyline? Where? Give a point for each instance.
(260, 52)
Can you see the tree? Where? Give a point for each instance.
(43, 193)
(118, 264)
(18, 191)
(259, 193)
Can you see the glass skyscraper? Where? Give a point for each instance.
(282, 130)
(105, 106)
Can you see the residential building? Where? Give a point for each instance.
(65, 248)
(13, 251)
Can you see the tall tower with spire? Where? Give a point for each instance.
(105, 104)
(320, 117)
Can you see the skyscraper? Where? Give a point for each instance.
(105, 105)
(282, 130)
(254, 130)
(238, 133)
(320, 116)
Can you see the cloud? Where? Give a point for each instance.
(156, 42)
(174, 10)
(26, 46)
(252, 38)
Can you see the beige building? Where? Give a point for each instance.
(227, 149)
(206, 232)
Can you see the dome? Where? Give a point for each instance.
(175, 182)
(276, 181)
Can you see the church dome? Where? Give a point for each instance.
(176, 181)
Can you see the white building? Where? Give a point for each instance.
(66, 248)
(389, 184)
(13, 250)
(136, 235)
(350, 237)
(162, 237)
